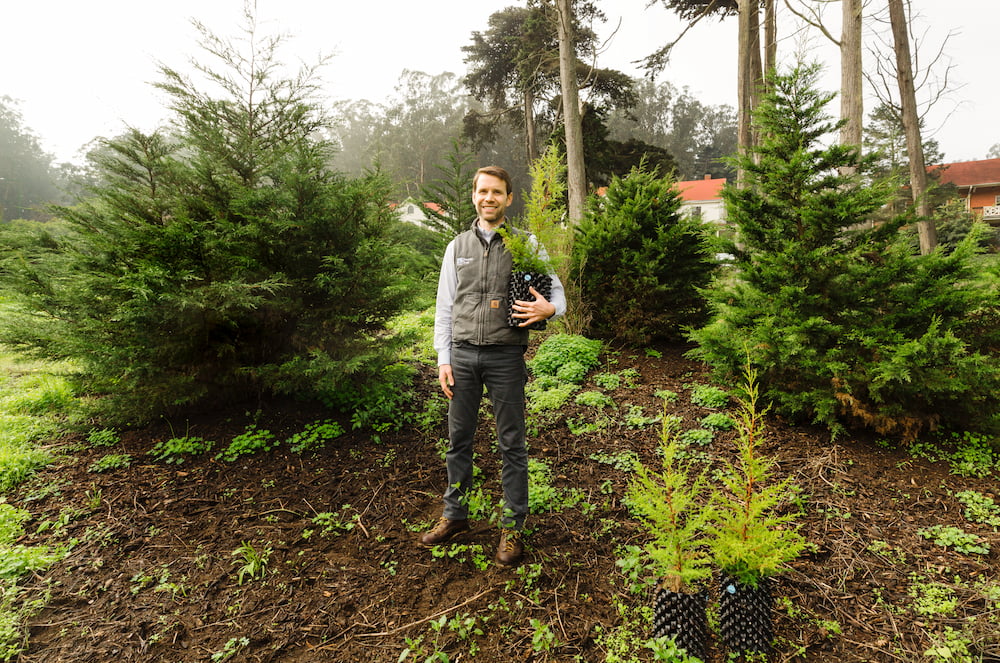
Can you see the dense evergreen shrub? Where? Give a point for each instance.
(639, 262)
(843, 321)
(221, 260)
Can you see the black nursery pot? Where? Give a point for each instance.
(682, 617)
(517, 289)
(746, 624)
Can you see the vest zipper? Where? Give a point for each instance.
(484, 309)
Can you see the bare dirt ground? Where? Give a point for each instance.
(153, 575)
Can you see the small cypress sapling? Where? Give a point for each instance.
(671, 505)
(750, 541)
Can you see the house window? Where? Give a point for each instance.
(996, 200)
(410, 209)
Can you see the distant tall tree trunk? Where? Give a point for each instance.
(770, 39)
(576, 176)
(530, 136)
(851, 77)
(749, 76)
(911, 125)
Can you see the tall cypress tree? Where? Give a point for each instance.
(842, 320)
(221, 260)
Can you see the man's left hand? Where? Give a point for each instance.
(532, 312)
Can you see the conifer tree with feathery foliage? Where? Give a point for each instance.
(639, 262)
(843, 322)
(219, 260)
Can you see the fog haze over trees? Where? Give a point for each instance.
(28, 178)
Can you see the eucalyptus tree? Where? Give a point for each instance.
(751, 62)
(576, 176)
(698, 137)
(27, 176)
(911, 124)
(513, 69)
(419, 125)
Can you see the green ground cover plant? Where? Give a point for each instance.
(103, 437)
(979, 508)
(109, 462)
(949, 536)
(595, 399)
(718, 421)
(558, 351)
(707, 395)
(253, 440)
(178, 449)
(314, 436)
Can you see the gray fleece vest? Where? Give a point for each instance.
(479, 315)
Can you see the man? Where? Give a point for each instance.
(477, 348)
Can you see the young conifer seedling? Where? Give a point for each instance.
(671, 503)
(750, 540)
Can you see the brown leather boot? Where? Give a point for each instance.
(511, 547)
(443, 532)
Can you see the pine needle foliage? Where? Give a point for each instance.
(750, 539)
(846, 324)
(452, 194)
(640, 262)
(220, 260)
(671, 503)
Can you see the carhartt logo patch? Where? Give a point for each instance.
(494, 303)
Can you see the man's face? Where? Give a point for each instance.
(491, 198)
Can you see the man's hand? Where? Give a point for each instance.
(446, 379)
(532, 312)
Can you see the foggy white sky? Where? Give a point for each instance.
(83, 69)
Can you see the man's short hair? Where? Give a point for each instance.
(495, 171)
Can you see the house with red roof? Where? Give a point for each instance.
(978, 183)
(703, 198)
(412, 211)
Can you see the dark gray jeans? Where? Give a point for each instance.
(501, 370)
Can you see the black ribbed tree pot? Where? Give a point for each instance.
(519, 289)
(683, 618)
(746, 622)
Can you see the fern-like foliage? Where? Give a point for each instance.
(751, 540)
(670, 503)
